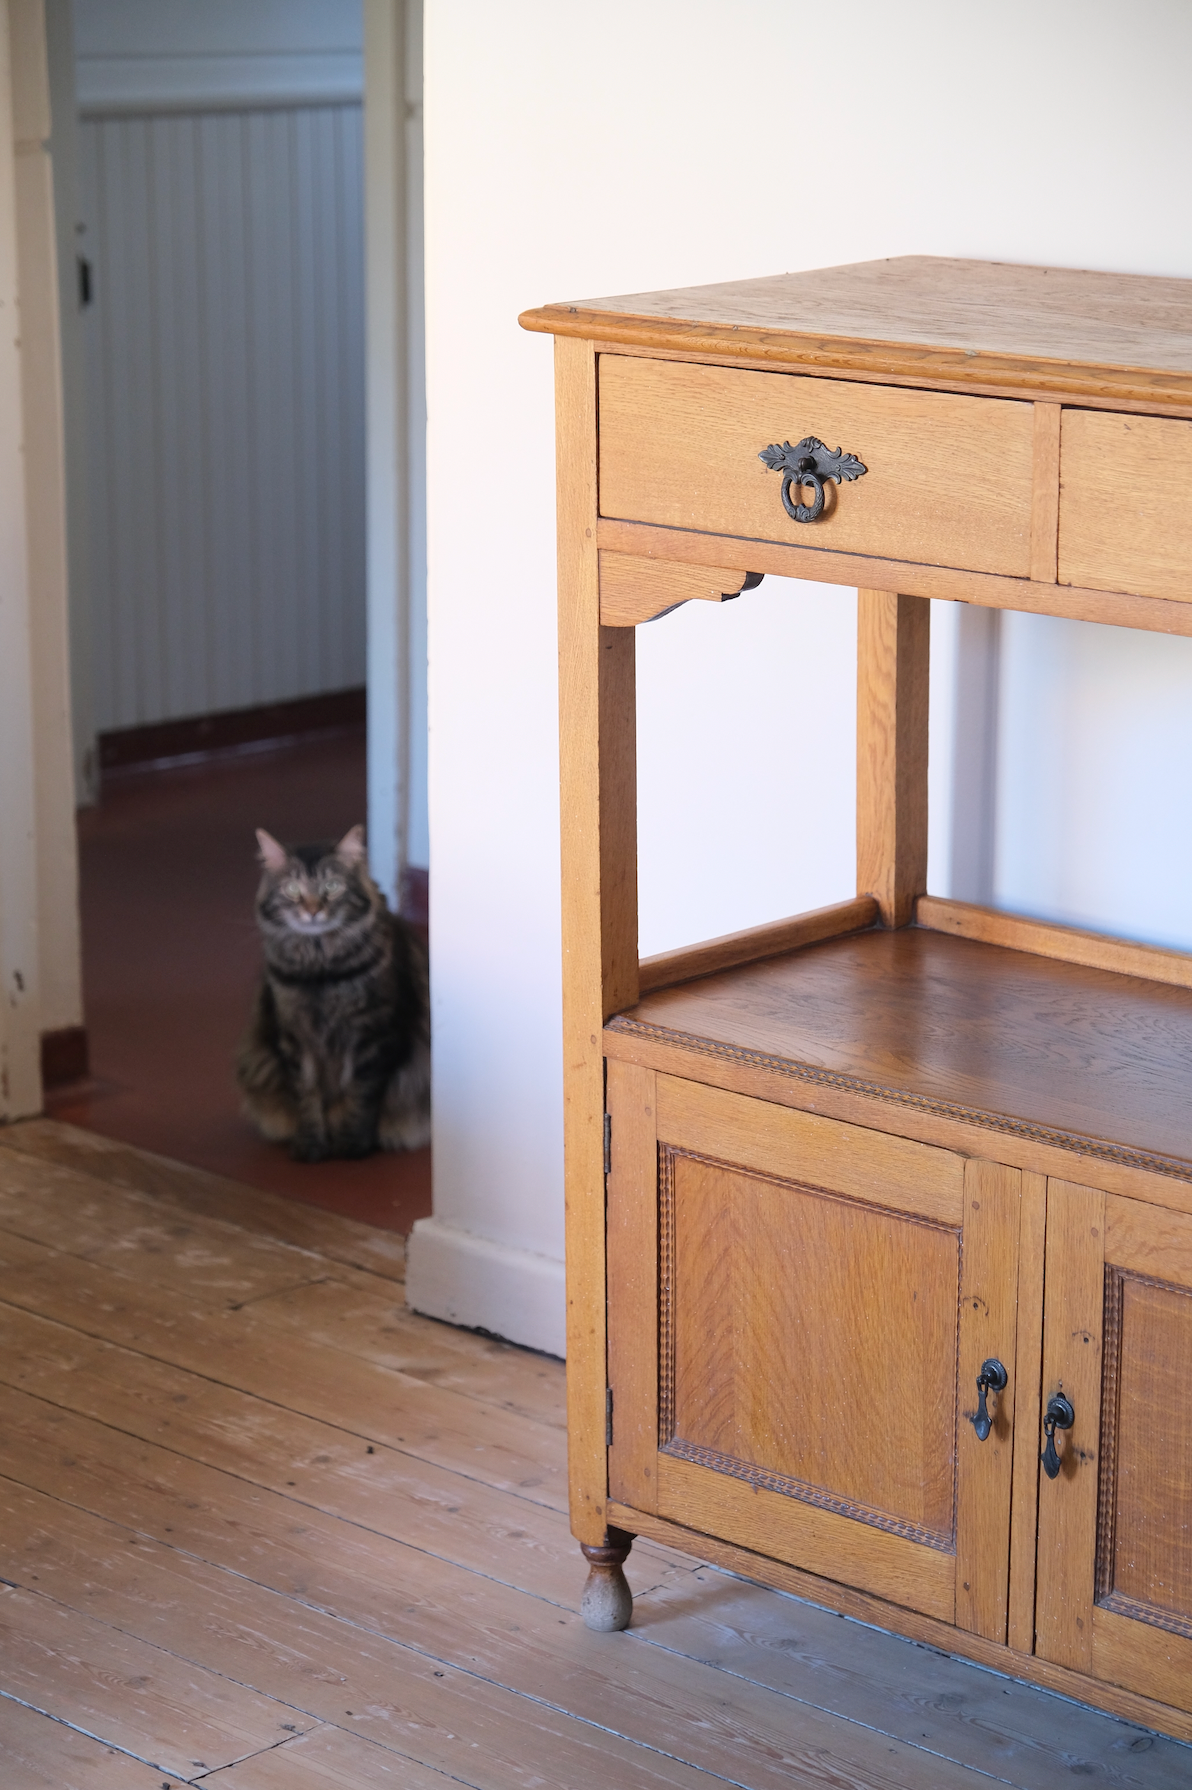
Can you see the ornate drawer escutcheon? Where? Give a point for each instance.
(809, 462)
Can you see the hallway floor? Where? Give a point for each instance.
(263, 1528)
(171, 956)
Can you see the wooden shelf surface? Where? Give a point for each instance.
(969, 1025)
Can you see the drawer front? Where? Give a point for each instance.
(948, 479)
(1126, 503)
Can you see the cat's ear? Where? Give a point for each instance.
(274, 857)
(350, 849)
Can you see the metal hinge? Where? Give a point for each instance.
(608, 1143)
(608, 1417)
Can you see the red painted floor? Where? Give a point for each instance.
(170, 959)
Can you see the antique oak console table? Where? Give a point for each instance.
(880, 1218)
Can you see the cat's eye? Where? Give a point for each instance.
(291, 888)
(334, 886)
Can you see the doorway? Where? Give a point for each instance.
(214, 283)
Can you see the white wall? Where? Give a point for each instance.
(1094, 822)
(572, 152)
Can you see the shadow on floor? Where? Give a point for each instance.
(170, 958)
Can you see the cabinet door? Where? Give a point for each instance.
(1114, 1588)
(798, 1314)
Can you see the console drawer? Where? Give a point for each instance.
(1125, 519)
(947, 480)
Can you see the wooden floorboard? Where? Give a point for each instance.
(263, 1528)
(39, 1753)
(328, 1759)
(197, 1191)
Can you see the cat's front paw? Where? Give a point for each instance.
(353, 1147)
(308, 1149)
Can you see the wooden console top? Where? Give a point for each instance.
(1125, 337)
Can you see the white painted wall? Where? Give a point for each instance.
(572, 152)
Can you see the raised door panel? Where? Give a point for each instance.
(948, 478)
(820, 1316)
(1115, 1525)
(1125, 516)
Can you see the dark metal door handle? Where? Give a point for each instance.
(1058, 1416)
(992, 1378)
(809, 463)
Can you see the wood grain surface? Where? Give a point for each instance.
(928, 1631)
(598, 845)
(893, 685)
(1036, 330)
(410, 1621)
(1028, 1350)
(815, 1341)
(948, 479)
(1119, 609)
(984, 1469)
(861, 1164)
(1072, 1350)
(965, 920)
(1045, 493)
(1049, 1047)
(634, 590)
(633, 1282)
(1151, 1561)
(185, 1190)
(1125, 522)
(755, 943)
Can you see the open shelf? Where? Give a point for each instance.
(973, 1029)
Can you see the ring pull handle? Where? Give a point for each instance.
(992, 1378)
(805, 475)
(809, 463)
(1058, 1416)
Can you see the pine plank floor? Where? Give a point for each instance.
(263, 1528)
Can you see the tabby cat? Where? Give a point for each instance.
(336, 1060)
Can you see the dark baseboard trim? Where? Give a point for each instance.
(64, 1056)
(196, 735)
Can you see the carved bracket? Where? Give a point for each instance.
(633, 589)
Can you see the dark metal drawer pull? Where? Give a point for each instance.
(992, 1378)
(809, 462)
(1058, 1416)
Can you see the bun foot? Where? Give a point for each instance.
(607, 1603)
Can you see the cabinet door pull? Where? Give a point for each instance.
(809, 463)
(992, 1378)
(1058, 1416)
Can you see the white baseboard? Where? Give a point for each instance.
(470, 1280)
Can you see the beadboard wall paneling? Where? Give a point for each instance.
(225, 373)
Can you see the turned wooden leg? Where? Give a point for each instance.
(607, 1603)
